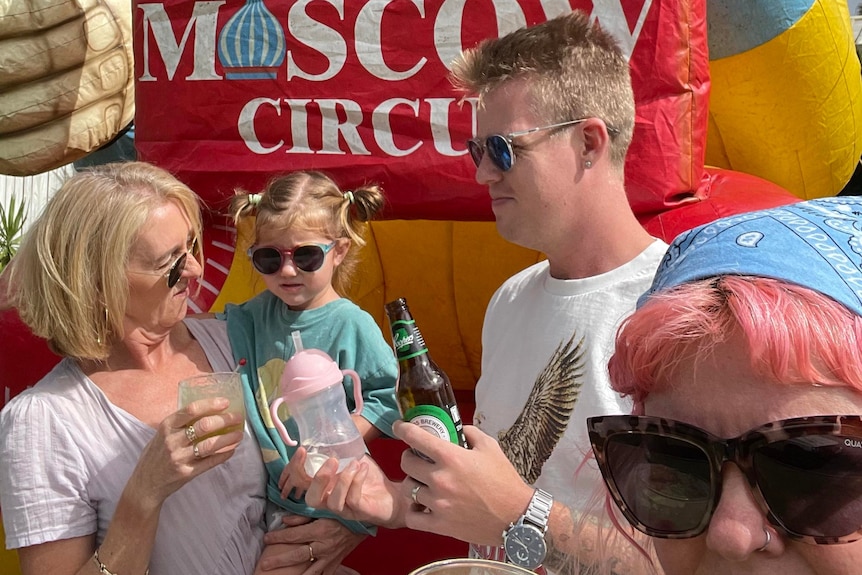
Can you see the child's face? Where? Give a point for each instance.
(302, 290)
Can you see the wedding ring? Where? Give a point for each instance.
(196, 452)
(311, 557)
(190, 433)
(768, 539)
(414, 492)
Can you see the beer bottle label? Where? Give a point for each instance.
(407, 340)
(434, 420)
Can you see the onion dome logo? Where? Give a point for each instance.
(251, 45)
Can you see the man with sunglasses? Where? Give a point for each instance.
(745, 453)
(555, 119)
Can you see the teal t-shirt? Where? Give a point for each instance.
(260, 332)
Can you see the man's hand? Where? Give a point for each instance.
(469, 494)
(361, 492)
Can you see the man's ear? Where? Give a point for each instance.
(596, 139)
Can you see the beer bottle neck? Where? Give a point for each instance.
(407, 340)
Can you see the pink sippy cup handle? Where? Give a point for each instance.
(357, 389)
(273, 410)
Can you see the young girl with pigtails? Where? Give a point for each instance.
(307, 235)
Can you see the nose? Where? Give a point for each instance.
(192, 266)
(287, 266)
(486, 172)
(736, 530)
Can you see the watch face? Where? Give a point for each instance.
(525, 546)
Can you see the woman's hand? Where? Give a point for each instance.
(361, 492)
(187, 443)
(293, 476)
(290, 551)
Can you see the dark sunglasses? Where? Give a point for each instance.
(665, 476)
(307, 257)
(175, 272)
(500, 147)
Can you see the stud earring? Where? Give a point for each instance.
(588, 164)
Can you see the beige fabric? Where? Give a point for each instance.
(66, 80)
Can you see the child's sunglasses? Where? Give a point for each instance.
(500, 146)
(665, 476)
(307, 257)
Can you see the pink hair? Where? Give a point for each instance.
(794, 334)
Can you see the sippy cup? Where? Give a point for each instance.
(312, 389)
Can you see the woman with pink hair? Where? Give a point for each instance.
(744, 451)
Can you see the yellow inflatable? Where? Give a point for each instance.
(785, 103)
(8, 559)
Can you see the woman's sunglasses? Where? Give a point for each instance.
(500, 147)
(665, 476)
(175, 272)
(307, 257)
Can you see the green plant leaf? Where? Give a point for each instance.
(12, 220)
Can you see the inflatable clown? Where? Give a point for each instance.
(741, 105)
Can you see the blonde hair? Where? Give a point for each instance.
(575, 70)
(69, 279)
(311, 200)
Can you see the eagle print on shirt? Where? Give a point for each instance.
(532, 438)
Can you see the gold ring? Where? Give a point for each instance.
(190, 433)
(196, 452)
(414, 492)
(311, 557)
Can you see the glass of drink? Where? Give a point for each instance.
(470, 567)
(218, 384)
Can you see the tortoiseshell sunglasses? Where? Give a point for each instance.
(665, 476)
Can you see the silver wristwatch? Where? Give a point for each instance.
(524, 540)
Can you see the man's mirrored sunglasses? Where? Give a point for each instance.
(500, 147)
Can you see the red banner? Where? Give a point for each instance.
(231, 92)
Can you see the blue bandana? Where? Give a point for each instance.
(816, 244)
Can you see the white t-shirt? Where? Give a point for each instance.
(66, 454)
(545, 347)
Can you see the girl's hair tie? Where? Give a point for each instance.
(348, 195)
(254, 199)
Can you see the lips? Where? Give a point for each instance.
(499, 201)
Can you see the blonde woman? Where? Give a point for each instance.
(99, 471)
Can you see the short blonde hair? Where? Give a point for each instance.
(575, 70)
(311, 200)
(69, 277)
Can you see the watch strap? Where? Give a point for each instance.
(539, 510)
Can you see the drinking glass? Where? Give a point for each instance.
(470, 567)
(218, 384)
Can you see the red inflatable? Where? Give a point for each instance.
(229, 93)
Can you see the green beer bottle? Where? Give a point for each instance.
(425, 395)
